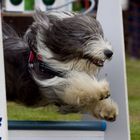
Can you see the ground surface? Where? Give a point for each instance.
(50, 113)
(133, 78)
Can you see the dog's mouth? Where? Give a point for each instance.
(96, 61)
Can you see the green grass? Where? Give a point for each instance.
(133, 80)
(50, 113)
(19, 112)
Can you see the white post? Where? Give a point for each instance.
(3, 114)
(110, 16)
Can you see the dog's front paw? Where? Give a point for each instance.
(106, 109)
(104, 90)
(81, 89)
(100, 91)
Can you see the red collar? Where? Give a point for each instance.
(44, 68)
(32, 57)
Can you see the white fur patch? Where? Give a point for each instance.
(79, 66)
(49, 82)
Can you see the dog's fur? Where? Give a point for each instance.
(73, 48)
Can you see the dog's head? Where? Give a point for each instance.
(69, 41)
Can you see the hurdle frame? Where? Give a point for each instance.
(110, 17)
(3, 107)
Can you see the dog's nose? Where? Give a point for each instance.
(108, 53)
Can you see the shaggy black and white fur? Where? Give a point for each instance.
(72, 48)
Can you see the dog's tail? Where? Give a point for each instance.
(8, 31)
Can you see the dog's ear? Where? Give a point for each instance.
(41, 18)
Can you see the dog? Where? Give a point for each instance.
(56, 62)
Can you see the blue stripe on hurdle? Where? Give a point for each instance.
(57, 125)
(0, 121)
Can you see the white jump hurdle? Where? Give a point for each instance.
(3, 107)
(110, 16)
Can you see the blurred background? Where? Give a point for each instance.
(18, 13)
